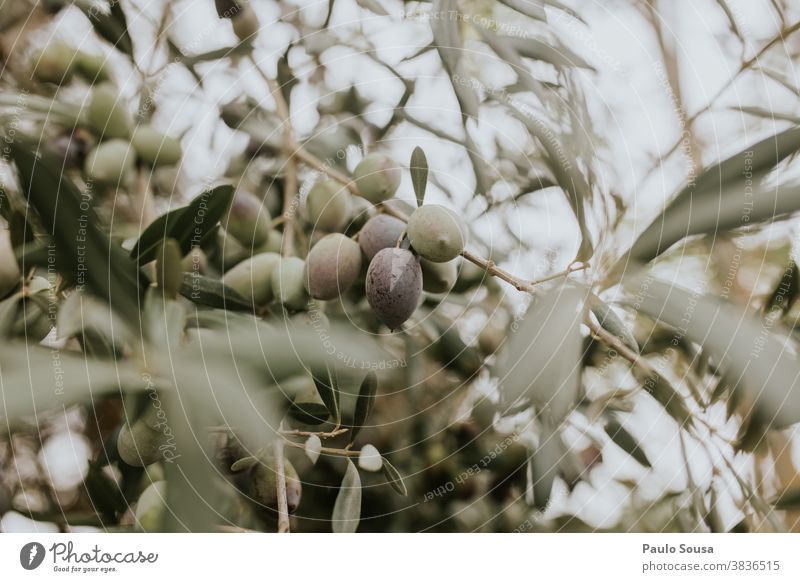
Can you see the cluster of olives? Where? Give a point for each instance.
(120, 143)
(396, 261)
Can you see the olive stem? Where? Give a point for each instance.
(322, 435)
(280, 484)
(328, 450)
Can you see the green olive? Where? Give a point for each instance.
(288, 283)
(108, 113)
(93, 68)
(110, 163)
(332, 266)
(150, 507)
(248, 220)
(438, 277)
(252, 278)
(436, 233)
(155, 148)
(139, 444)
(329, 206)
(377, 177)
(257, 479)
(55, 63)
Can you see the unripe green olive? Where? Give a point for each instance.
(394, 285)
(155, 148)
(262, 484)
(252, 278)
(438, 277)
(245, 23)
(55, 64)
(436, 233)
(380, 232)
(10, 275)
(109, 114)
(274, 242)
(150, 507)
(377, 177)
(329, 206)
(111, 163)
(288, 283)
(196, 262)
(139, 444)
(491, 337)
(332, 266)
(248, 220)
(93, 68)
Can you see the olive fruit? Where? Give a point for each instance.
(252, 278)
(274, 242)
(93, 68)
(332, 266)
(436, 233)
(329, 205)
(377, 177)
(288, 283)
(256, 478)
(111, 162)
(55, 64)
(139, 444)
(155, 148)
(394, 285)
(438, 277)
(108, 113)
(380, 232)
(9, 268)
(150, 506)
(248, 220)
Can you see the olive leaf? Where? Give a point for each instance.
(725, 196)
(530, 8)
(540, 367)
(750, 355)
(75, 232)
(364, 403)
(393, 477)
(286, 77)
(189, 225)
(785, 293)
(312, 413)
(347, 508)
(328, 389)
(544, 466)
(788, 500)
(624, 440)
(111, 25)
(213, 293)
(612, 323)
(419, 173)
(667, 396)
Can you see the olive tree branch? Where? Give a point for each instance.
(280, 484)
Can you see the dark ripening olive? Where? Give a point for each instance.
(252, 278)
(248, 220)
(110, 163)
(377, 177)
(437, 233)
(394, 285)
(380, 232)
(332, 266)
(246, 24)
(438, 277)
(329, 206)
(108, 113)
(155, 148)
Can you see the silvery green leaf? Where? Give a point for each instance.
(419, 173)
(554, 53)
(394, 478)
(612, 323)
(373, 6)
(364, 403)
(347, 508)
(624, 440)
(542, 366)
(313, 448)
(530, 8)
(370, 459)
(750, 355)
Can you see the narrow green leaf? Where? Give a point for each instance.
(111, 24)
(347, 508)
(788, 501)
(312, 413)
(785, 293)
(328, 390)
(364, 403)
(670, 399)
(419, 174)
(624, 440)
(612, 323)
(146, 247)
(555, 54)
(394, 478)
(213, 293)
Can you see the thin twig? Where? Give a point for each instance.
(308, 433)
(280, 484)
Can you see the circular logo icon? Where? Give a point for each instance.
(31, 555)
